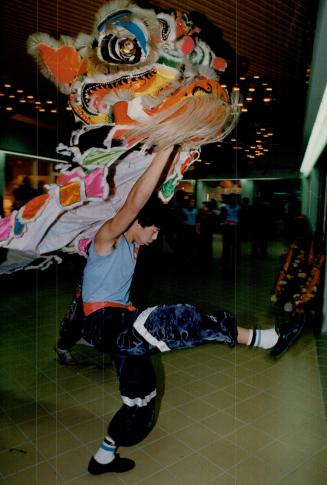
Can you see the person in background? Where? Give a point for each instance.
(208, 223)
(189, 230)
(261, 222)
(245, 219)
(230, 215)
(23, 193)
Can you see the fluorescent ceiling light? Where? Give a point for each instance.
(318, 138)
(27, 155)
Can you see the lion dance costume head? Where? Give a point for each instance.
(142, 80)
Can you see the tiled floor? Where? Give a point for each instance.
(227, 416)
(321, 343)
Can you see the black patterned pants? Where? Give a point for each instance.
(131, 337)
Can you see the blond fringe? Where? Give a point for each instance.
(201, 120)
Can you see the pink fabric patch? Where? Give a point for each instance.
(5, 227)
(66, 177)
(94, 183)
(83, 244)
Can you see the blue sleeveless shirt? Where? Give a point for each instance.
(109, 278)
(233, 213)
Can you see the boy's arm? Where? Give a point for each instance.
(141, 191)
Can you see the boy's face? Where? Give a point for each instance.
(146, 235)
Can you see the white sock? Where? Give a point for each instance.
(265, 339)
(106, 452)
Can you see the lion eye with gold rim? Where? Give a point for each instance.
(127, 47)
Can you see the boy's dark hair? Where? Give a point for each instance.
(152, 213)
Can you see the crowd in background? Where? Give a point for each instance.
(189, 229)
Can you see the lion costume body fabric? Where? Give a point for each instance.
(141, 80)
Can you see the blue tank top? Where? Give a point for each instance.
(109, 278)
(232, 213)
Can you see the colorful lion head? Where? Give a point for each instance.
(147, 76)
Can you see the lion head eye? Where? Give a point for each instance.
(127, 47)
(115, 50)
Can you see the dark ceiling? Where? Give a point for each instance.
(268, 43)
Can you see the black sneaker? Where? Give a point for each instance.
(118, 465)
(288, 334)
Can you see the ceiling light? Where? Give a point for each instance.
(7, 85)
(318, 138)
(266, 100)
(26, 155)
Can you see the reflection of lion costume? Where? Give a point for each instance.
(143, 79)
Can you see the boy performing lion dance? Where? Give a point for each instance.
(131, 336)
(145, 80)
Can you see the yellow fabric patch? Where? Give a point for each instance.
(70, 193)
